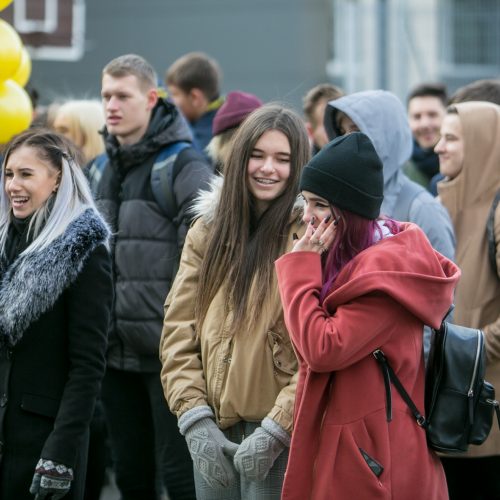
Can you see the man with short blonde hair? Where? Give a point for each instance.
(149, 454)
(314, 104)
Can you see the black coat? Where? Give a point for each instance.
(54, 316)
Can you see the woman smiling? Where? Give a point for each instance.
(55, 300)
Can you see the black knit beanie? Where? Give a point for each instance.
(348, 173)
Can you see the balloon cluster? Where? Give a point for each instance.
(15, 68)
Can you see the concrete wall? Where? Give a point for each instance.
(276, 49)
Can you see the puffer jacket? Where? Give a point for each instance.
(245, 375)
(147, 244)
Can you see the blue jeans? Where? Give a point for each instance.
(269, 489)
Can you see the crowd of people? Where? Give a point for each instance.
(192, 286)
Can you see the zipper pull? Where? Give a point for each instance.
(470, 395)
(496, 406)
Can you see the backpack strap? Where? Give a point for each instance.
(163, 174)
(409, 191)
(95, 170)
(490, 231)
(390, 376)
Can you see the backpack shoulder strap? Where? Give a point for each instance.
(163, 174)
(95, 170)
(390, 376)
(490, 231)
(409, 191)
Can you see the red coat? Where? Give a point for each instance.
(381, 299)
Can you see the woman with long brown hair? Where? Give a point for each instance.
(228, 364)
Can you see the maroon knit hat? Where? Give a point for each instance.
(237, 106)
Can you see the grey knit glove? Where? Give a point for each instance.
(258, 452)
(208, 446)
(51, 480)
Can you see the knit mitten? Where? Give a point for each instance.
(258, 452)
(51, 480)
(208, 446)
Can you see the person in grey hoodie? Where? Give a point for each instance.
(382, 117)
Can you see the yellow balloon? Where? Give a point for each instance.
(4, 3)
(10, 50)
(23, 73)
(15, 110)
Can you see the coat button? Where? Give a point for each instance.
(3, 400)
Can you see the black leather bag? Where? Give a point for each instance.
(459, 403)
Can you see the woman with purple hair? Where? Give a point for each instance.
(354, 283)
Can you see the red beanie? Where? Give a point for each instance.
(237, 106)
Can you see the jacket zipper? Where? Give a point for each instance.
(470, 393)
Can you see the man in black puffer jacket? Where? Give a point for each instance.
(147, 245)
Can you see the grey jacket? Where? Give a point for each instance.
(381, 116)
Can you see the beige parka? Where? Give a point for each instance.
(468, 198)
(243, 376)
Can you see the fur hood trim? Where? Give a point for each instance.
(32, 284)
(205, 203)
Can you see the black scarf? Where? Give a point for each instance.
(17, 239)
(425, 160)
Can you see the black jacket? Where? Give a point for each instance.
(147, 244)
(54, 316)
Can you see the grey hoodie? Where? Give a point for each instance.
(382, 117)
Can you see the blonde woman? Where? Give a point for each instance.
(80, 121)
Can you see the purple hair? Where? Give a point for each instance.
(354, 234)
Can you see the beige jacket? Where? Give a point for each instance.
(468, 199)
(245, 375)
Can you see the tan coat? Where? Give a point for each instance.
(468, 199)
(245, 375)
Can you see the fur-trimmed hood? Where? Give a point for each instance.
(32, 284)
(205, 203)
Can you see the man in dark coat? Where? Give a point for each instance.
(149, 454)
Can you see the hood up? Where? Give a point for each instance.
(479, 180)
(382, 117)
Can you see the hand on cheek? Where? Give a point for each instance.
(317, 240)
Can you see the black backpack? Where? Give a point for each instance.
(163, 173)
(459, 403)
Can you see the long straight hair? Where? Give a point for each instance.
(353, 235)
(71, 199)
(242, 247)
